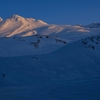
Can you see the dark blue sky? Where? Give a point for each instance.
(53, 11)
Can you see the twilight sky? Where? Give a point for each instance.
(53, 11)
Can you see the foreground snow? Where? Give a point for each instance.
(64, 90)
(72, 72)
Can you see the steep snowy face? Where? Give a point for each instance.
(17, 24)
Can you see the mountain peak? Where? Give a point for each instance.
(1, 19)
(16, 17)
(16, 24)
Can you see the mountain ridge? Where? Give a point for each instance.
(29, 36)
(19, 24)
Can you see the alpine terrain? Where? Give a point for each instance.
(41, 61)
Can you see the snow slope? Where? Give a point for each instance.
(67, 90)
(22, 46)
(67, 73)
(75, 61)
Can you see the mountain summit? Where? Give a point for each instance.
(1, 19)
(16, 17)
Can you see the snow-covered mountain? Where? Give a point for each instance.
(39, 61)
(28, 36)
(16, 25)
(20, 26)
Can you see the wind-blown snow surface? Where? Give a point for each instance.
(72, 73)
(39, 61)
